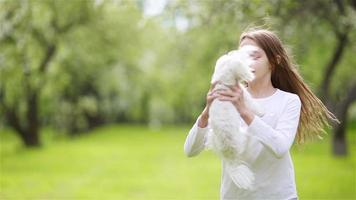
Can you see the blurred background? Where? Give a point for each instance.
(97, 97)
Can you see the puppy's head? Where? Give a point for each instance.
(241, 61)
(234, 66)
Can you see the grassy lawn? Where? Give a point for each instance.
(134, 162)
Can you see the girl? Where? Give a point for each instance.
(292, 112)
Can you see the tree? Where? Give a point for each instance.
(29, 48)
(341, 24)
(75, 66)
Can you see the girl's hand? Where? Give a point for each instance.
(235, 96)
(212, 94)
(204, 116)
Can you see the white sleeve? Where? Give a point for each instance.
(252, 150)
(280, 139)
(195, 140)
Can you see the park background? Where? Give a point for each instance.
(97, 97)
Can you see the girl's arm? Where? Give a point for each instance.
(195, 140)
(279, 139)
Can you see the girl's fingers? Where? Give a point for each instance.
(224, 98)
(229, 93)
(212, 86)
(213, 96)
(235, 88)
(226, 92)
(216, 82)
(212, 93)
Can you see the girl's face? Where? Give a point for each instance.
(261, 66)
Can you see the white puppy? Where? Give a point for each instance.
(227, 138)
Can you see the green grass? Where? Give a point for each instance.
(134, 162)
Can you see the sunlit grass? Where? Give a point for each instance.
(134, 162)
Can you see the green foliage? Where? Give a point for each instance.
(93, 73)
(113, 64)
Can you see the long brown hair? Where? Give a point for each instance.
(285, 76)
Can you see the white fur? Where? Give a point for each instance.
(227, 137)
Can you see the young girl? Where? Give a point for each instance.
(292, 111)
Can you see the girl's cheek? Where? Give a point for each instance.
(255, 65)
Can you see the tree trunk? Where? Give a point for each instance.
(94, 120)
(339, 139)
(331, 66)
(339, 144)
(31, 138)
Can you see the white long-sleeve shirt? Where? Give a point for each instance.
(273, 167)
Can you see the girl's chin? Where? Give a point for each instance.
(250, 82)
